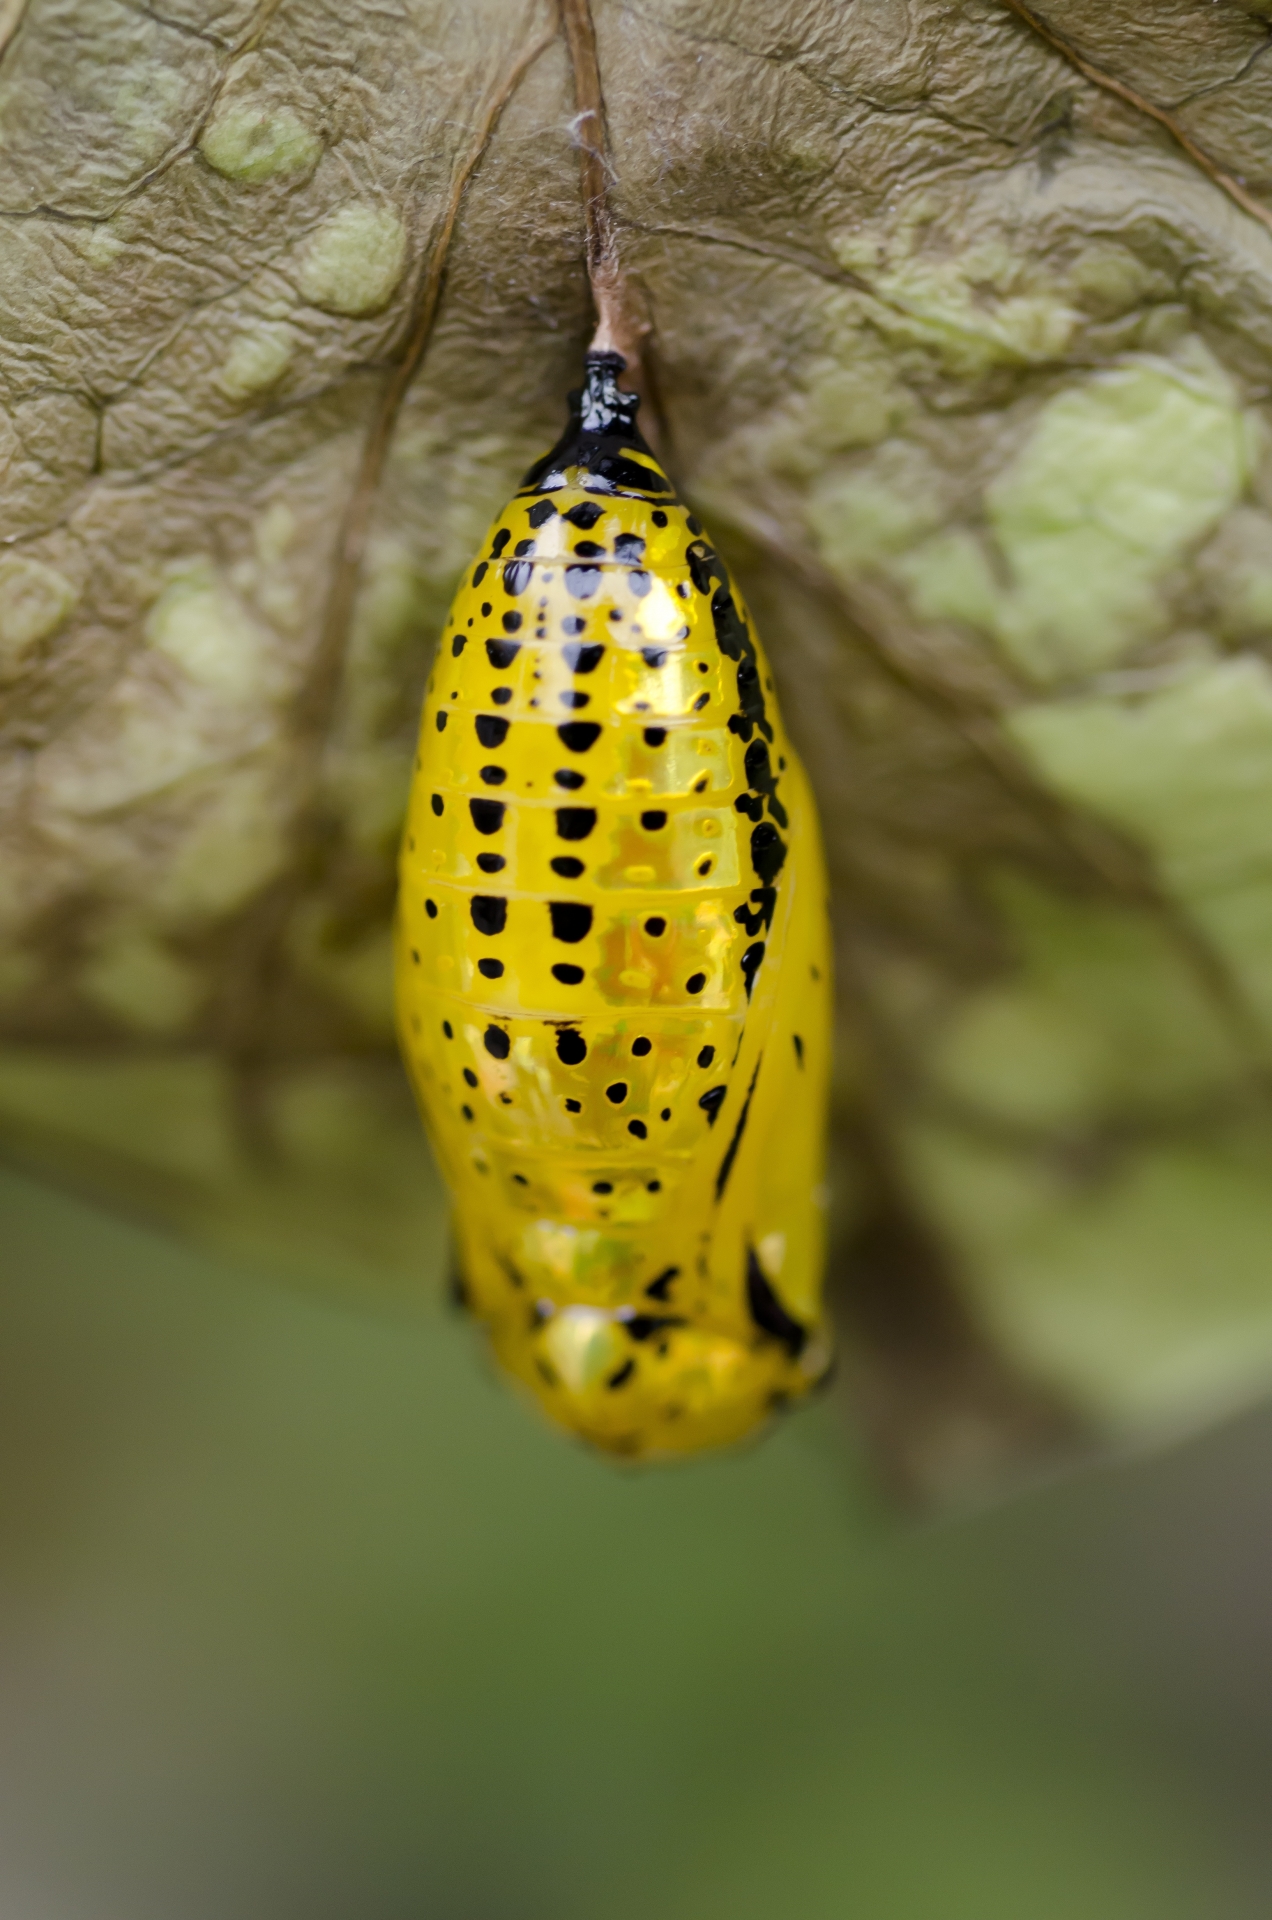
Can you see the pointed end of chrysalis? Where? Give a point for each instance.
(604, 406)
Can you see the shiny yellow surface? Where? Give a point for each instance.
(634, 1147)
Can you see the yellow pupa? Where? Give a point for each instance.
(613, 977)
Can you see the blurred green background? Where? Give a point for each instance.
(305, 1617)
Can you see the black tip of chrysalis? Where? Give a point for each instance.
(600, 405)
(602, 428)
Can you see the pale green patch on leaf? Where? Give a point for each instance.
(1187, 771)
(1117, 478)
(860, 517)
(354, 261)
(257, 361)
(949, 578)
(253, 141)
(973, 308)
(210, 635)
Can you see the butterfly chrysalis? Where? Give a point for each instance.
(613, 974)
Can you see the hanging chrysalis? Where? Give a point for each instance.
(612, 968)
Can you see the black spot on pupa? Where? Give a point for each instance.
(751, 964)
(479, 572)
(571, 1047)
(516, 575)
(573, 698)
(492, 729)
(485, 609)
(582, 582)
(767, 1311)
(571, 920)
(654, 736)
(497, 1043)
(574, 1106)
(567, 778)
(568, 976)
(582, 659)
(654, 820)
(701, 702)
(584, 516)
(705, 1056)
(491, 862)
(731, 1151)
(665, 1114)
(488, 815)
(501, 695)
(750, 804)
(520, 1180)
(567, 866)
(541, 511)
(799, 1048)
(448, 1030)
(442, 718)
(490, 913)
(639, 582)
(579, 735)
(637, 1129)
(616, 1093)
(437, 803)
(622, 1376)
(658, 1288)
(760, 776)
(629, 546)
(655, 926)
(573, 623)
(768, 852)
(643, 1326)
(654, 656)
(511, 620)
(588, 549)
(712, 1101)
(695, 983)
(490, 969)
(458, 643)
(575, 823)
(502, 653)
(602, 1186)
(500, 541)
(470, 1077)
(653, 1186)
(641, 1047)
(467, 1111)
(494, 776)
(522, 548)
(658, 517)
(430, 908)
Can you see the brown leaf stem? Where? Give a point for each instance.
(620, 325)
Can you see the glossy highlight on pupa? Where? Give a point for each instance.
(613, 974)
